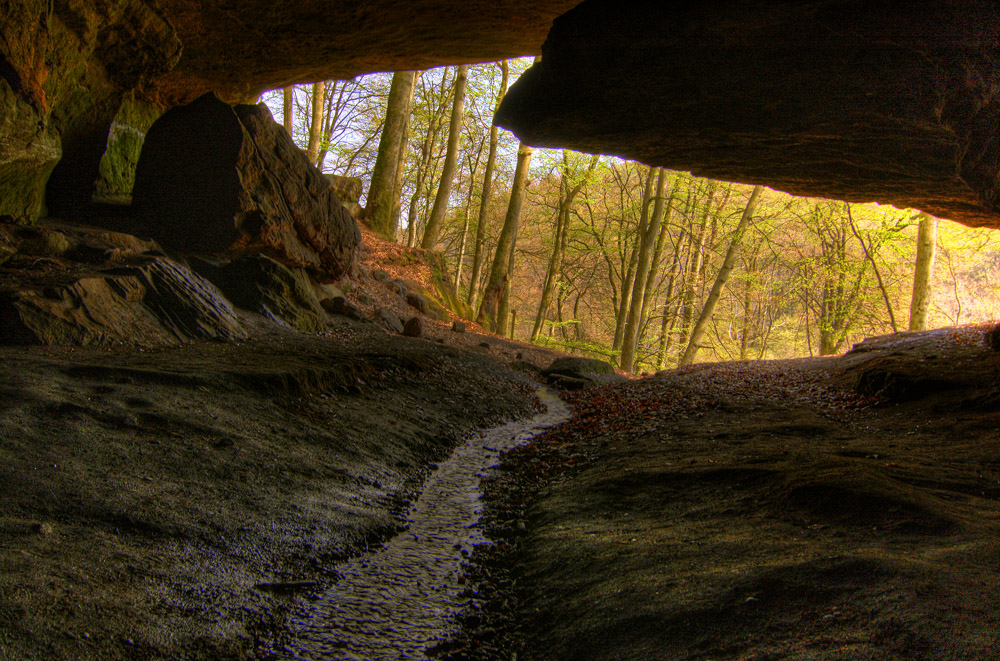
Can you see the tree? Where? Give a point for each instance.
(698, 332)
(497, 282)
(648, 234)
(383, 191)
(570, 184)
(484, 200)
(451, 156)
(316, 121)
(924, 268)
(287, 96)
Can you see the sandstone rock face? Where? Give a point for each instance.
(151, 302)
(221, 179)
(262, 285)
(241, 48)
(348, 191)
(64, 67)
(893, 102)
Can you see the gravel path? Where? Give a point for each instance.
(403, 599)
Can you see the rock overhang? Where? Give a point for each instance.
(863, 101)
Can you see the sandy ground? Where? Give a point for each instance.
(175, 503)
(839, 508)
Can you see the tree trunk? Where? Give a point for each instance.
(698, 332)
(484, 201)
(650, 234)
(627, 283)
(669, 311)
(567, 195)
(378, 210)
(654, 265)
(503, 310)
(397, 184)
(488, 307)
(287, 116)
(694, 271)
(451, 156)
(924, 269)
(316, 122)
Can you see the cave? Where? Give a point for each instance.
(210, 422)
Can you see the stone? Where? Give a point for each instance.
(227, 180)
(388, 320)
(381, 276)
(875, 101)
(64, 69)
(574, 367)
(42, 242)
(458, 326)
(347, 189)
(150, 302)
(413, 327)
(992, 338)
(260, 284)
(343, 307)
(240, 49)
(400, 289)
(116, 173)
(418, 303)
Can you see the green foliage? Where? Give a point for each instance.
(812, 276)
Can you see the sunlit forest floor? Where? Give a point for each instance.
(835, 508)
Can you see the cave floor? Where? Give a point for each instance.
(182, 502)
(834, 508)
(188, 502)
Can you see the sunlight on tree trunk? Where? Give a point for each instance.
(316, 121)
(488, 308)
(698, 332)
(451, 157)
(391, 152)
(926, 249)
(287, 116)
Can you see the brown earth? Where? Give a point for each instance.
(835, 508)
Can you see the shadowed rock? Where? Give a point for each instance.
(154, 301)
(893, 102)
(222, 179)
(262, 285)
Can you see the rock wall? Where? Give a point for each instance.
(863, 101)
(214, 178)
(64, 67)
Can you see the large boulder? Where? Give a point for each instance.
(573, 372)
(215, 178)
(149, 302)
(348, 191)
(262, 285)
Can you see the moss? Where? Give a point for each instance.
(116, 175)
(28, 153)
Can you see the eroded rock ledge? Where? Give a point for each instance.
(863, 101)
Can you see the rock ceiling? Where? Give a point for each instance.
(850, 99)
(862, 101)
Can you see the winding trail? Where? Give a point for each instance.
(401, 600)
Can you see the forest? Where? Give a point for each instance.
(646, 267)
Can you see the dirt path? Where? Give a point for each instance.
(844, 508)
